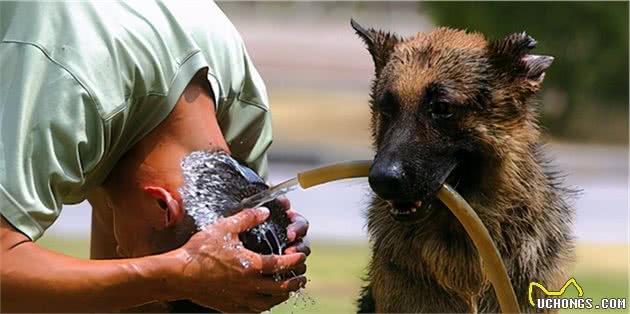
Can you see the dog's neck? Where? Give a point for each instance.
(520, 190)
(517, 180)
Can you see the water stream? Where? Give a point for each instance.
(300, 298)
(271, 194)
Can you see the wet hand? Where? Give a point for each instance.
(218, 272)
(296, 232)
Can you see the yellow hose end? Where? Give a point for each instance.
(345, 170)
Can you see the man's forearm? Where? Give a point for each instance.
(35, 280)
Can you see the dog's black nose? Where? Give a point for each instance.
(387, 179)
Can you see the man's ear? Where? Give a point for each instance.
(164, 199)
(379, 44)
(510, 55)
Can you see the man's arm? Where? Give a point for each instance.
(38, 280)
(34, 279)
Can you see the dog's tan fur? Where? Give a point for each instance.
(430, 265)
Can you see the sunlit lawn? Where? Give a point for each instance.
(335, 270)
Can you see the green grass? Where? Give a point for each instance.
(597, 286)
(70, 246)
(335, 271)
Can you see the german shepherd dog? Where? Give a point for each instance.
(451, 106)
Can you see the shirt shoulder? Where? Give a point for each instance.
(118, 51)
(51, 136)
(240, 92)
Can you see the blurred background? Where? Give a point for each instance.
(318, 75)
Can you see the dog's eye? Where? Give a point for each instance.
(441, 110)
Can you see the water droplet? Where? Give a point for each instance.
(302, 297)
(244, 262)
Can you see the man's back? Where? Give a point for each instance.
(87, 80)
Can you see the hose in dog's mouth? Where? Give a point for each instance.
(492, 262)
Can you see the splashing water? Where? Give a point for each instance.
(301, 299)
(214, 185)
(271, 194)
(244, 262)
(264, 236)
(227, 237)
(275, 238)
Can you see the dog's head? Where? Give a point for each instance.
(446, 106)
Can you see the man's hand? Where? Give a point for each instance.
(296, 231)
(218, 272)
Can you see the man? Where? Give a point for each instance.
(101, 101)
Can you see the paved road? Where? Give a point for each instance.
(335, 210)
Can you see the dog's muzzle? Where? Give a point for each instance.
(409, 192)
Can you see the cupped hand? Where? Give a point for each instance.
(296, 232)
(218, 272)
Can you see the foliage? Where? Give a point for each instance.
(588, 39)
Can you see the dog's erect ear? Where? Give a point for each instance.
(380, 44)
(511, 56)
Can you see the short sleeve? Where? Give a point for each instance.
(260, 133)
(247, 131)
(50, 136)
(246, 122)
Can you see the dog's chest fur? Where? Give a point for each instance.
(432, 266)
(420, 262)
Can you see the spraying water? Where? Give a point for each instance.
(216, 185)
(271, 194)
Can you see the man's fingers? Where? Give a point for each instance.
(268, 286)
(298, 227)
(297, 271)
(272, 264)
(245, 220)
(294, 284)
(287, 273)
(299, 247)
(284, 202)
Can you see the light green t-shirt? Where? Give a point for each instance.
(81, 82)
